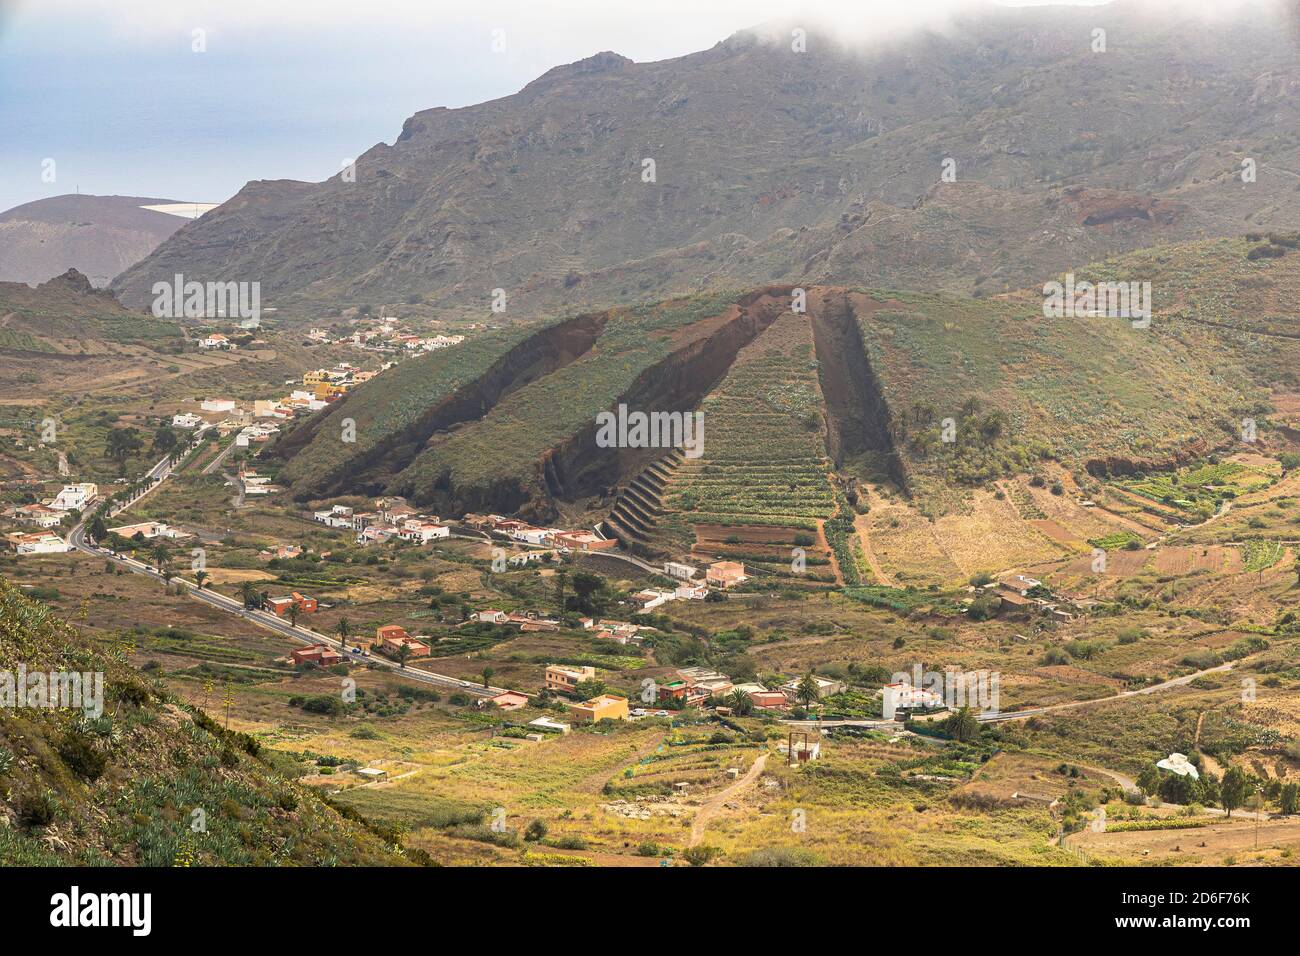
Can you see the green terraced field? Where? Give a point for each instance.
(764, 452)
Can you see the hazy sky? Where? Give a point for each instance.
(113, 92)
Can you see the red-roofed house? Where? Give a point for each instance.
(316, 654)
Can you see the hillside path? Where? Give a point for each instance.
(710, 809)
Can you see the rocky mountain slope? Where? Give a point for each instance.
(771, 165)
(99, 236)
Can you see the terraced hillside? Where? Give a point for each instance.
(762, 486)
(935, 394)
(533, 409)
(1093, 393)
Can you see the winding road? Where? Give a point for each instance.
(157, 475)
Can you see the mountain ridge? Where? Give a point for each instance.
(539, 193)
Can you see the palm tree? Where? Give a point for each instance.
(159, 553)
(344, 629)
(199, 578)
(487, 676)
(403, 655)
(741, 703)
(248, 591)
(293, 615)
(962, 726)
(808, 692)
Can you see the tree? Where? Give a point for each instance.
(164, 440)
(1233, 789)
(589, 595)
(1148, 780)
(97, 529)
(561, 578)
(248, 591)
(1175, 788)
(122, 444)
(159, 553)
(1288, 798)
(199, 578)
(808, 692)
(344, 629)
(403, 655)
(535, 831)
(740, 703)
(962, 726)
(587, 689)
(293, 614)
(487, 676)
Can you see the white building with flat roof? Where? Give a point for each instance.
(75, 497)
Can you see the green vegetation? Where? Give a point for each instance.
(130, 781)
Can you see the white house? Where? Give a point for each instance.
(691, 592)
(423, 532)
(825, 687)
(903, 696)
(42, 516)
(340, 516)
(148, 530)
(549, 725)
(683, 572)
(650, 599)
(1179, 764)
(75, 497)
(218, 405)
(186, 420)
(215, 341)
(42, 542)
(490, 617)
(537, 536)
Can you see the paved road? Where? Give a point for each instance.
(303, 635)
(215, 463)
(1031, 712)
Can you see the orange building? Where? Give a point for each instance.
(604, 707)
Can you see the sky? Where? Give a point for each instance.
(127, 98)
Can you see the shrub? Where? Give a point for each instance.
(38, 808)
(82, 757)
(781, 856)
(700, 855)
(535, 831)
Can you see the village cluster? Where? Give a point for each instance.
(384, 334)
(48, 515)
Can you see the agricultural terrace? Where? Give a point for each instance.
(510, 439)
(762, 486)
(1199, 491)
(1021, 387)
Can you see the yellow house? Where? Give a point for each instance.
(604, 707)
(315, 377)
(325, 391)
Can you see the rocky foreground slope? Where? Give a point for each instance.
(142, 779)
